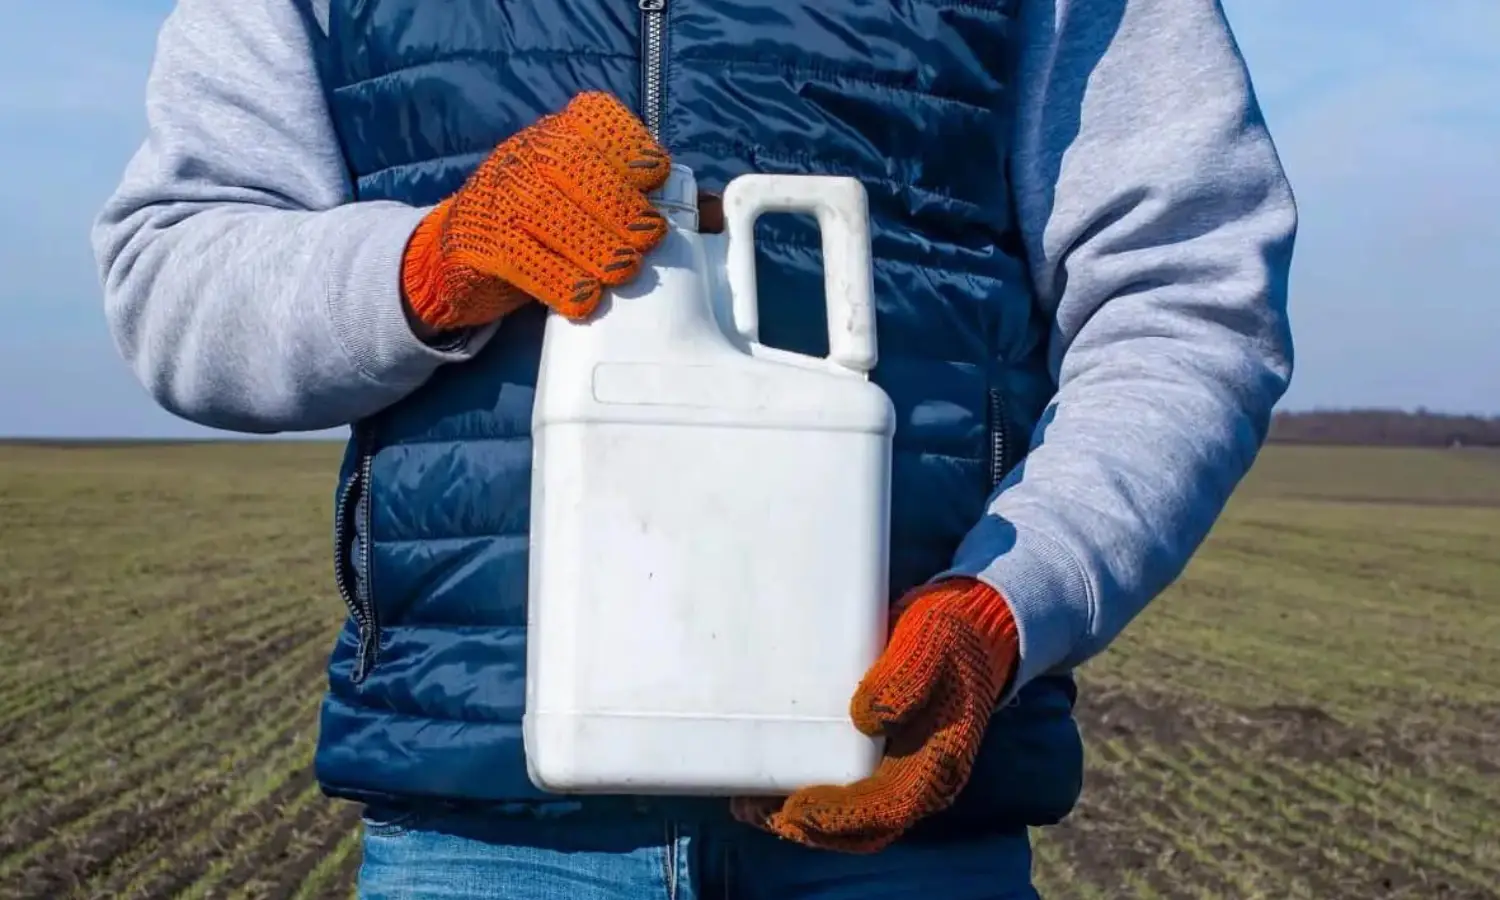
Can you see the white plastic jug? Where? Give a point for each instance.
(710, 519)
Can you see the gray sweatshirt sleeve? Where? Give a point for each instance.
(241, 283)
(1159, 227)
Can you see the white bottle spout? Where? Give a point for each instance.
(678, 198)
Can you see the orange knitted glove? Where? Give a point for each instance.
(557, 213)
(930, 694)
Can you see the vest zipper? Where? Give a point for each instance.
(653, 53)
(370, 638)
(358, 602)
(999, 438)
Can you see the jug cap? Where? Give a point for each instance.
(679, 195)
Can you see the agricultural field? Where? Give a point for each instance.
(1313, 711)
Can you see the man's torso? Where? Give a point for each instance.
(911, 98)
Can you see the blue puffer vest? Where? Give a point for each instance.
(426, 680)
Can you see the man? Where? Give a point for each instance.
(356, 213)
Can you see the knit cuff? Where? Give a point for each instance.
(987, 614)
(421, 271)
(368, 318)
(1045, 588)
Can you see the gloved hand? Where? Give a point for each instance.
(931, 693)
(557, 213)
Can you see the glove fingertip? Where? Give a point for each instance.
(885, 700)
(653, 172)
(583, 300)
(873, 718)
(754, 810)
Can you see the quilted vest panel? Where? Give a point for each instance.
(427, 678)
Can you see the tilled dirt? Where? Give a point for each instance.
(1144, 830)
(1130, 832)
(1301, 732)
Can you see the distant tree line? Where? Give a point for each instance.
(1385, 427)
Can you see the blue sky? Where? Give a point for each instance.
(1384, 113)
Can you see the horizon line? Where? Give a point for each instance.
(229, 437)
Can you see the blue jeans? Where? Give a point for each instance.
(427, 857)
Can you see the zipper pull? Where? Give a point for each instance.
(652, 6)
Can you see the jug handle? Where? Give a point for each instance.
(843, 215)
